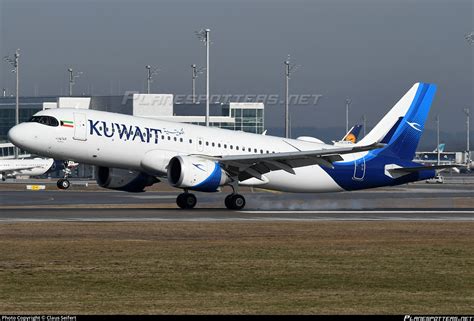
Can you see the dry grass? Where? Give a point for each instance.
(286, 267)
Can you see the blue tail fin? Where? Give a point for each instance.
(403, 138)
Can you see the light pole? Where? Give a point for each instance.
(204, 36)
(348, 103)
(194, 73)
(467, 112)
(149, 78)
(289, 69)
(15, 62)
(194, 76)
(72, 78)
(437, 138)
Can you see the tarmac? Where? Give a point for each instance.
(414, 202)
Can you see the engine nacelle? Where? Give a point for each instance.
(123, 180)
(196, 173)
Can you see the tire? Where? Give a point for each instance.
(186, 200)
(235, 202)
(59, 183)
(65, 184)
(227, 201)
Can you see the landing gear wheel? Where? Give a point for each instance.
(234, 202)
(63, 183)
(186, 200)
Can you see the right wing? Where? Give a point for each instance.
(255, 165)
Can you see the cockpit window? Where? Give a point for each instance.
(45, 120)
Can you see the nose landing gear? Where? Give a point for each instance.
(63, 183)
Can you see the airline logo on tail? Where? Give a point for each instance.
(415, 126)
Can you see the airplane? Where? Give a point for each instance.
(27, 167)
(350, 137)
(440, 147)
(10, 168)
(132, 152)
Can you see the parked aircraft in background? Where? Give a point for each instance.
(10, 168)
(349, 138)
(133, 152)
(440, 147)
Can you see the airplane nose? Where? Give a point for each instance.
(16, 135)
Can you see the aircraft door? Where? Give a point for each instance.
(359, 169)
(80, 128)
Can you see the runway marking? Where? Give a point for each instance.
(145, 197)
(256, 219)
(448, 211)
(305, 216)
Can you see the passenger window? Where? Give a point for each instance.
(225, 145)
(169, 138)
(231, 147)
(207, 143)
(181, 140)
(175, 139)
(219, 145)
(213, 144)
(190, 141)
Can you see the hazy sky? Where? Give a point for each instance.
(369, 50)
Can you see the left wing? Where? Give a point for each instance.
(255, 165)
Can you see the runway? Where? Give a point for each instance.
(217, 215)
(403, 203)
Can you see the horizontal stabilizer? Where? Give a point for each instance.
(420, 168)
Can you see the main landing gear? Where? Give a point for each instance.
(233, 201)
(186, 200)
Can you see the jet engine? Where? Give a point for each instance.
(196, 173)
(123, 180)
